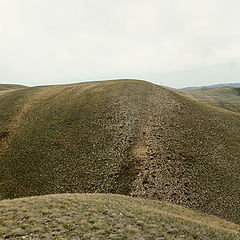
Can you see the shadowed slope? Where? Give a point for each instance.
(106, 216)
(127, 137)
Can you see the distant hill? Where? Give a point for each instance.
(125, 136)
(214, 86)
(9, 86)
(106, 216)
(222, 97)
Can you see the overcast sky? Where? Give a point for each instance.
(174, 42)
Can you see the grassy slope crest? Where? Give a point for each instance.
(107, 216)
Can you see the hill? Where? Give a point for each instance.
(10, 86)
(222, 97)
(106, 216)
(127, 137)
(213, 86)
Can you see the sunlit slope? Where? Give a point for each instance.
(127, 137)
(106, 216)
(222, 97)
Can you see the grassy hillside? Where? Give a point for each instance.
(9, 86)
(127, 137)
(86, 216)
(222, 97)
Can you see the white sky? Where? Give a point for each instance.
(175, 42)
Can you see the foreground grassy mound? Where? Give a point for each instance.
(106, 216)
(127, 137)
(222, 97)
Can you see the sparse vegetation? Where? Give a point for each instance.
(106, 216)
(127, 137)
